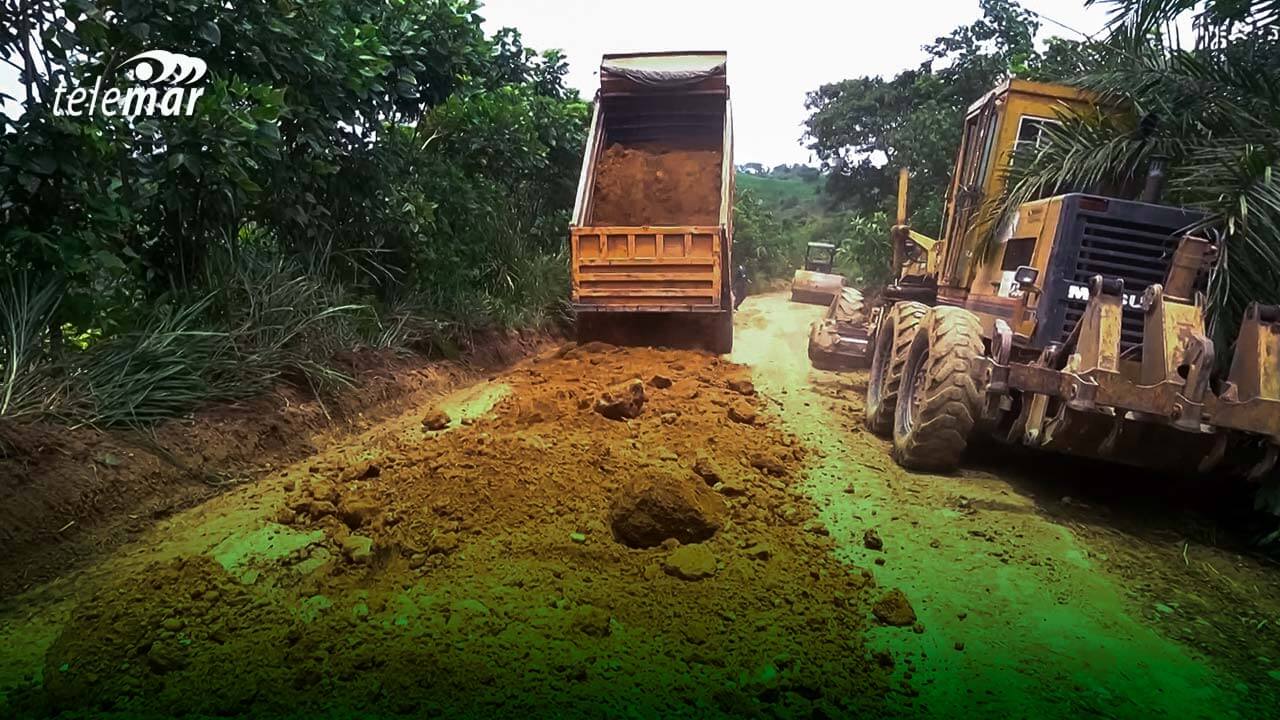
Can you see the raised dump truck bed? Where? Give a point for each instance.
(653, 222)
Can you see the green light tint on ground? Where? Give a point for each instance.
(1049, 639)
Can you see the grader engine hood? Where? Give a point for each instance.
(1118, 239)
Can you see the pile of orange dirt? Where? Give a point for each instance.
(67, 495)
(657, 185)
(623, 534)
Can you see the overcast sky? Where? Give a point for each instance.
(778, 50)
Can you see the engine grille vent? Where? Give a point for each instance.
(1137, 252)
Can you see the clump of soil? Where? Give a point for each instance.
(622, 401)
(657, 185)
(692, 562)
(894, 609)
(476, 574)
(665, 504)
(436, 420)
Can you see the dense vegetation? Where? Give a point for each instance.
(773, 216)
(356, 173)
(780, 211)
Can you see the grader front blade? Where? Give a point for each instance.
(1089, 397)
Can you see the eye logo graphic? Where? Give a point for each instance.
(166, 87)
(161, 67)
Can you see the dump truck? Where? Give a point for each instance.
(815, 282)
(1076, 325)
(652, 229)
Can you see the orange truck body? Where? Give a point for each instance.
(679, 99)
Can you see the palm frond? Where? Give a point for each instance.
(1214, 114)
(28, 384)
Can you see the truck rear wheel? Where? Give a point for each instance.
(897, 330)
(939, 400)
(587, 327)
(722, 333)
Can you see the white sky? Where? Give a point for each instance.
(778, 51)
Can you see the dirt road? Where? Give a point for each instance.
(1035, 604)
(633, 532)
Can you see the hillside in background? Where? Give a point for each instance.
(780, 211)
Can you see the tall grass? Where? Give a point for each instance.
(27, 386)
(260, 320)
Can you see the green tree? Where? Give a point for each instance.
(864, 129)
(348, 159)
(324, 127)
(761, 243)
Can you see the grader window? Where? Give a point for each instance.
(1031, 133)
(1017, 252)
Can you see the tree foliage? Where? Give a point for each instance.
(389, 155)
(864, 129)
(361, 133)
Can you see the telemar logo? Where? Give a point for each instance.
(166, 86)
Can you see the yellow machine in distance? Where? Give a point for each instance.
(817, 282)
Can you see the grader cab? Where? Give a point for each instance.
(1078, 325)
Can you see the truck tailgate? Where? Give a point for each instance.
(655, 269)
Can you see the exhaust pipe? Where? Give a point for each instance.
(1153, 188)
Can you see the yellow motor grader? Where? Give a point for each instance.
(1080, 329)
(817, 283)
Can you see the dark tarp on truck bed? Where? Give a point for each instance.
(663, 71)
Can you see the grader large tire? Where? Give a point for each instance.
(846, 316)
(939, 401)
(897, 330)
(848, 308)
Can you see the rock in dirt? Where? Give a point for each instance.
(165, 656)
(708, 469)
(315, 509)
(742, 412)
(363, 470)
(768, 463)
(444, 543)
(436, 420)
(358, 513)
(871, 540)
(758, 551)
(894, 609)
(662, 505)
(596, 346)
(742, 387)
(357, 548)
(537, 410)
(622, 401)
(691, 562)
(591, 620)
(731, 487)
(662, 382)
